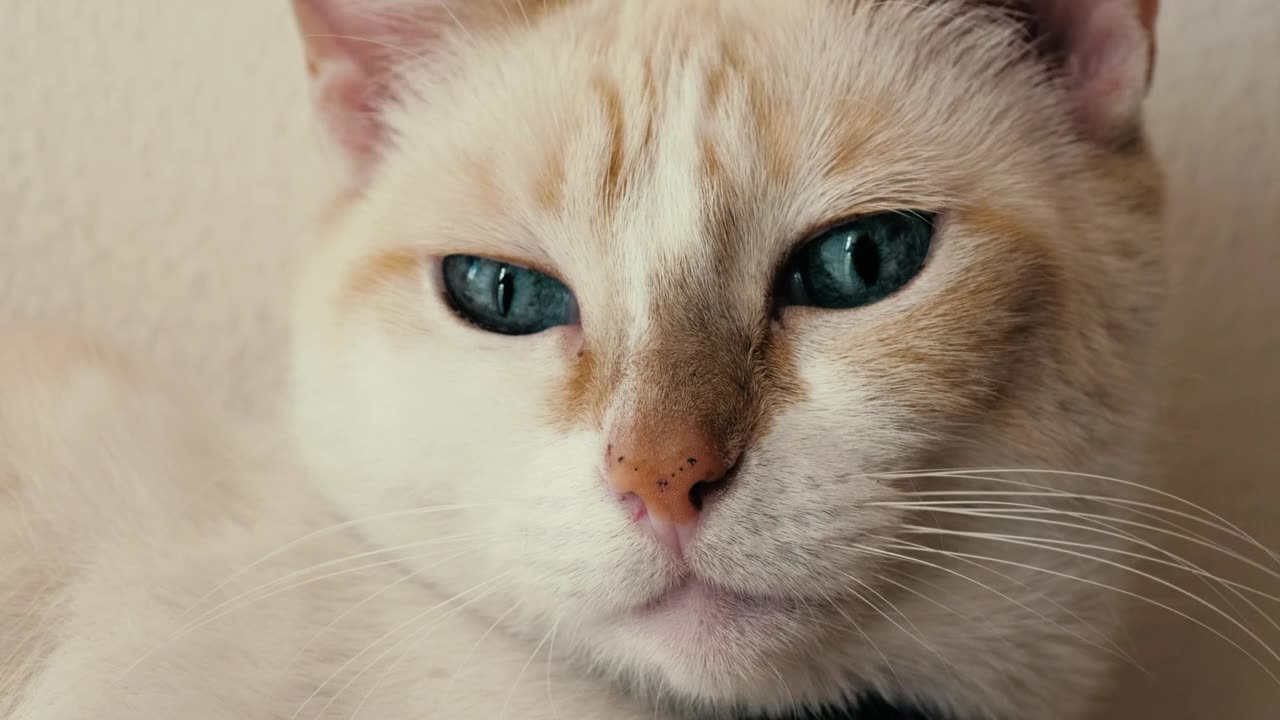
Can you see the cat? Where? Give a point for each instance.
(661, 358)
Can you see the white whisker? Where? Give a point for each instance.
(950, 553)
(551, 651)
(461, 28)
(1061, 546)
(328, 626)
(322, 532)
(1174, 560)
(209, 615)
(791, 698)
(945, 608)
(914, 636)
(388, 634)
(520, 675)
(466, 658)
(857, 628)
(408, 641)
(1007, 513)
(1127, 505)
(1014, 601)
(984, 473)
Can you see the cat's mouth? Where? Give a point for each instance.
(700, 599)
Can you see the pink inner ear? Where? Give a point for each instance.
(348, 103)
(1108, 49)
(353, 48)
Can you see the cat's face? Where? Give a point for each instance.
(751, 255)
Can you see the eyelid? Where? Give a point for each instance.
(535, 265)
(437, 268)
(816, 230)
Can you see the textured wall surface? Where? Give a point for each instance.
(159, 168)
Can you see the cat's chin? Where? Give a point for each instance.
(702, 639)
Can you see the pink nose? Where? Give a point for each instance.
(669, 472)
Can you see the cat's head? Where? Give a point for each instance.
(648, 301)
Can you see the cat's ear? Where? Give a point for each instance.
(1108, 48)
(355, 50)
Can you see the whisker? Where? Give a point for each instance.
(403, 579)
(1095, 583)
(408, 643)
(412, 512)
(520, 675)
(946, 608)
(1014, 601)
(914, 636)
(1108, 529)
(1061, 546)
(1126, 504)
(923, 596)
(25, 639)
(978, 473)
(461, 28)
(235, 603)
(551, 651)
(386, 635)
(523, 13)
(1175, 560)
(987, 622)
(466, 658)
(885, 600)
(791, 698)
(888, 665)
(1005, 512)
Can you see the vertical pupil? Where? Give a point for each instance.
(865, 256)
(503, 290)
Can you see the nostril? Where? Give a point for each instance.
(699, 492)
(702, 492)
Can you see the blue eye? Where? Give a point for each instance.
(858, 263)
(505, 298)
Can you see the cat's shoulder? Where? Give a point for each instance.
(95, 447)
(120, 491)
(84, 425)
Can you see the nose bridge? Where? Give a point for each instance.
(689, 374)
(684, 415)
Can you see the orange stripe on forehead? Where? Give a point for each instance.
(856, 122)
(776, 131)
(613, 184)
(548, 188)
(720, 71)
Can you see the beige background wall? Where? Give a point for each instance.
(156, 169)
